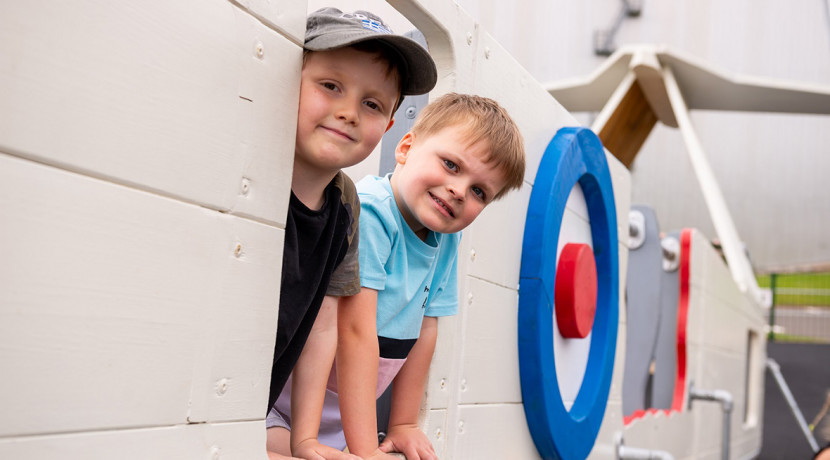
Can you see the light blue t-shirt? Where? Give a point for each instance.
(413, 278)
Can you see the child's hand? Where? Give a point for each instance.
(276, 456)
(409, 440)
(311, 449)
(380, 455)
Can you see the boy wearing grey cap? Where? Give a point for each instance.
(355, 73)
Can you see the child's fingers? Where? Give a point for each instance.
(414, 453)
(412, 450)
(385, 446)
(334, 454)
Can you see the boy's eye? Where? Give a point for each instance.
(479, 193)
(373, 105)
(329, 86)
(449, 164)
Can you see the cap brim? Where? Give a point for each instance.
(420, 75)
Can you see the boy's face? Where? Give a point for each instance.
(441, 182)
(346, 102)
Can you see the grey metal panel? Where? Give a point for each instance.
(642, 313)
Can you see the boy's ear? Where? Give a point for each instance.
(402, 150)
(391, 122)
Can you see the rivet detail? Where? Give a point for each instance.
(222, 386)
(245, 186)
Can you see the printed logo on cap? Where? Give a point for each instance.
(368, 23)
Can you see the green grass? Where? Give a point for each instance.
(786, 282)
(795, 338)
(798, 280)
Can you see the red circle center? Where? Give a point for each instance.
(576, 291)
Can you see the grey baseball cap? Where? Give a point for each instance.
(329, 28)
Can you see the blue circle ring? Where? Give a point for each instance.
(575, 155)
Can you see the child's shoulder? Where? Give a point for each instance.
(377, 203)
(347, 187)
(375, 191)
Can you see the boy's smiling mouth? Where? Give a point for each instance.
(338, 133)
(442, 204)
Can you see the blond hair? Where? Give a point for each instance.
(483, 119)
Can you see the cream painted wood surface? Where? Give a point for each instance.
(490, 372)
(145, 165)
(482, 431)
(125, 309)
(231, 441)
(175, 97)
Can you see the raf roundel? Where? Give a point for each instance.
(581, 290)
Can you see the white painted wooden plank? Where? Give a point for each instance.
(434, 424)
(621, 182)
(605, 445)
(714, 331)
(115, 300)
(490, 372)
(495, 240)
(538, 115)
(670, 433)
(442, 381)
(233, 368)
(231, 441)
(451, 36)
(493, 431)
(286, 16)
(168, 96)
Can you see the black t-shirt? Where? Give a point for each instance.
(320, 246)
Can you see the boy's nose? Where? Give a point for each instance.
(347, 111)
(456, 191)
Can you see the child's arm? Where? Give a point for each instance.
(357, 372)
(308, 389)
(408, 389)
